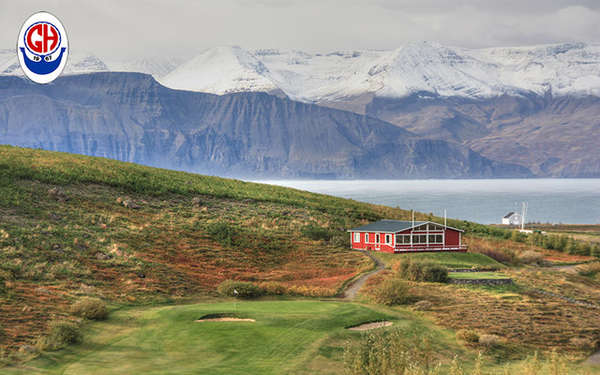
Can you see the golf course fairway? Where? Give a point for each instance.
(285, 336)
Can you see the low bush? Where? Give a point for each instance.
(582, 344)
(223, 233)
(273, 288)
(590, 270)
(391, 292)
(61, 334)
(316, 233)
(531, 257)
(391, 352)
(90, 308)
(311, 291)
(421, 271)
(423, 305)
(467, 335)
(490, 340)
(239, 289)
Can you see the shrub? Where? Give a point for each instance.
(311, 291)
(468, 335)
(223, 233)
(595, 250)
(316, 233)
(240, 289)
(391, 352)
(518, 236)
(423, 305)
(490, 340)
(504, 256)
(90, 308)
(590, 269)
(391, 292)
(531, 257)
(2, 287)
(61, 334)
(421, 271)
(582, 344)
(273, 288)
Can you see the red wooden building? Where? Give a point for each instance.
(395, 236)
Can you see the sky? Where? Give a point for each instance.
(182, 28)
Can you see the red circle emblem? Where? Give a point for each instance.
(42, 38)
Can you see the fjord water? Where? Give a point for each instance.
(567, 201)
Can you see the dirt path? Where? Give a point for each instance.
(350, 293)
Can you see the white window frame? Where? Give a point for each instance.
(436, 234)
(356, 236)
(400, 239)
(388, 238)
(377, 238)
(367, 238)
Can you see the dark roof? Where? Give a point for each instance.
(393, 226)
(509, 215)
(387, 226)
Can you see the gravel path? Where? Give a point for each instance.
(350, 293)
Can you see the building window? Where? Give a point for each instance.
(419, 238)
(356, 237)
(388, 239)
(367, 237)
(403, 239)
(377, 238)
(435, 238)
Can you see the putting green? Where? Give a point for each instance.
(168, 340)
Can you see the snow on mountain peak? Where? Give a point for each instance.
(562, 69)
(221, 70)
(559, 69)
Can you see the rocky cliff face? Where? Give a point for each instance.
(552, 136)
(130, 117)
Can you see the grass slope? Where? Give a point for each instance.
(167, 340)
(477, 275)
(450, 260)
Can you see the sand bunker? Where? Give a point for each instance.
(368, 326)
(226, 319)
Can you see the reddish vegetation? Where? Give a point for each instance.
(507, 250)
(26, 318)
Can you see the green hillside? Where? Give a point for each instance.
(139, 237)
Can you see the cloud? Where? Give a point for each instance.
(117, 28)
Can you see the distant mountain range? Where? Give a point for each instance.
(534, 106)
(130, 117)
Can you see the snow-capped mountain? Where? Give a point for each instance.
(80, 62)
(77, 63)
(424, 67)
(562, 69)
(222, 70)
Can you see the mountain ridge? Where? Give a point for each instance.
(131, 117)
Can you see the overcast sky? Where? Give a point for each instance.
(114, 28)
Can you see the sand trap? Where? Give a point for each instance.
(368, 326)
(225, 319)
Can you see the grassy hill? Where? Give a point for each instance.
(138, 237)
(79, 225)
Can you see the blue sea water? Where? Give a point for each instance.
(568, 201)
